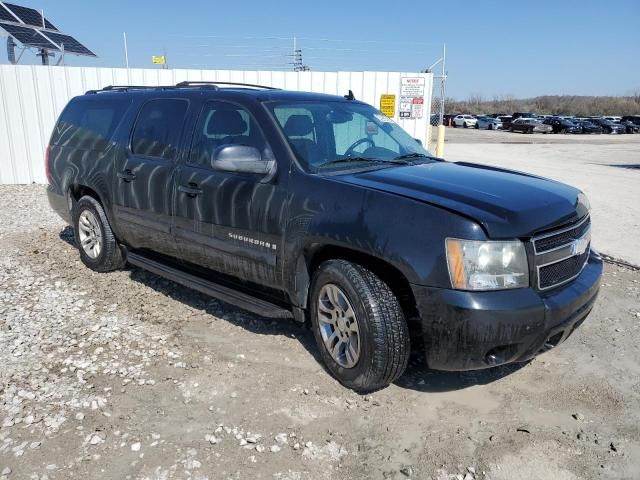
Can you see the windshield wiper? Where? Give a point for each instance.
(349, 160)
(409, 156)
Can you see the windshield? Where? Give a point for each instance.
(342, 135)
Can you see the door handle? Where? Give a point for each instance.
(189, 190)
(127, 175)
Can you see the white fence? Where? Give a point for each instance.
(32, 97)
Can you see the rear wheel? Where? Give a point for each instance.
(490, 127)
(358, 325)
(99, 249)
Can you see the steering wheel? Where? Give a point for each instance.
(349, 151)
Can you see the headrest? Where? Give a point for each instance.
(226, 122)
(298, 126)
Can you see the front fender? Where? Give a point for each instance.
(405, 233)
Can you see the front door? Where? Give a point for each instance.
(226, 221)
(145, 176)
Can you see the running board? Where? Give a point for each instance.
(220, 292)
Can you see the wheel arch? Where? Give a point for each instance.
(309, 261)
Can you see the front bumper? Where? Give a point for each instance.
(474, 330)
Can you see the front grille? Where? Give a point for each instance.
(560, 272)
(562, 254)
(554, 240)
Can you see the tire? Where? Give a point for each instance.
(383, 335)
(490, 127)
(95, 226)
(477, 127)
(464, 124)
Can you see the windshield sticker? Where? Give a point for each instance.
(382, 118)
(372, 128)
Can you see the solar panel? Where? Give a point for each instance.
(28, 36)
(30, 16)
(6, 16)
(71, 45)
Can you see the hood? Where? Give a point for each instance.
(506, 203)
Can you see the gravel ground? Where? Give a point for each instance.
(129, 376)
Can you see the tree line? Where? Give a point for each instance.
(581, 106)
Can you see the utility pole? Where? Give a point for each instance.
(298, 64)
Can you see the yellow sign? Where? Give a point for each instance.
(388, 105)
(158, 60)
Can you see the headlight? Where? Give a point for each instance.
(480, 265)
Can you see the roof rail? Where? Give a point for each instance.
(125, 88)
(189, 83)
(185, 84)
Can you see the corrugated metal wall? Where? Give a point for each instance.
(32, 97)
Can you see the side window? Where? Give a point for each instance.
(222, 123)
(88, 123)
(157, 130)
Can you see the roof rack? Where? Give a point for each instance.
(125, 88)
(185, 84)
(189, 83)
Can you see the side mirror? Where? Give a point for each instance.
(242, 159)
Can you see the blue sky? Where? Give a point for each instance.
(520, 48)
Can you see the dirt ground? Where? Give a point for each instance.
(128, 376)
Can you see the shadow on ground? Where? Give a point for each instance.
(628, 166)
(417, 376)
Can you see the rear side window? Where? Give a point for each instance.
(158, 128)
(88, 123)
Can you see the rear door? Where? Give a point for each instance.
(144, 175)
(227, 221)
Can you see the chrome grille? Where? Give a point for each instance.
(561, 255)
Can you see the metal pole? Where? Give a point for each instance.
(126, 51)
(441, 129)
(443, 81)
(295, 47)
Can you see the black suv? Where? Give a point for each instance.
(321, 209)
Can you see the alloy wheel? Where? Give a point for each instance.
(90, 234)
(338, 326)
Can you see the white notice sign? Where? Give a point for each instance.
(411, 97)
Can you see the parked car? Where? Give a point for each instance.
(489, 123)
(530, 125)
(630, 127)
(522, 115)
(448, 119)
(465, 121)
(631, 118)
(614, 118)
(608, 126)
(506, 121)
(588, 127)
(320, 209)
(561, 125)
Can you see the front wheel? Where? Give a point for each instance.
(358, 325)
